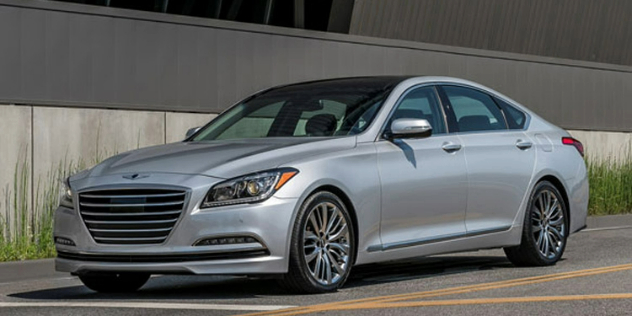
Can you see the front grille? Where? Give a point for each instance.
(131, 216)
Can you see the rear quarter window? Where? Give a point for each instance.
(516, 119)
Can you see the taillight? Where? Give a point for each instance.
(575, 143)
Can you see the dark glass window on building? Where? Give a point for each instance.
(319, 15)
(92, 2)
(206, 9)
(144, 5)
(273, 12)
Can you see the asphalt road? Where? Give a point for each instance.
(594, 278)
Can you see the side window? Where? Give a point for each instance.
(474, 110)
(515, 118)
(421, 103)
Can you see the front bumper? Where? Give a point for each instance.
(269, 222)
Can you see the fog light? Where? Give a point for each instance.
(64, 241)
(226, 241)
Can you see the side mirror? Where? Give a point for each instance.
(192, 131)
(410, 128)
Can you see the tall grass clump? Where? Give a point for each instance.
(26, 226)
(610, 182)
(26, 220)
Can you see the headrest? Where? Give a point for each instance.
(321, 125)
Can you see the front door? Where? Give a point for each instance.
(424, 181)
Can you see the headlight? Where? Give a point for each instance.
(248, 189)
(65, 198)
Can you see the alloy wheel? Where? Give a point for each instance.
(326, 243)
(547, 221)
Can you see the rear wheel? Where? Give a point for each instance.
(114, 282)
(322, 247)
(544, 231)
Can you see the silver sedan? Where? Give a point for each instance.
(301, 182)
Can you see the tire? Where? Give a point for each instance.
(545, 229)
(114, 282)
(320, 258)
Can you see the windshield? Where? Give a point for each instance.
(315, 109)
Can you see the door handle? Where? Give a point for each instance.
(451, 147)
(522, 144)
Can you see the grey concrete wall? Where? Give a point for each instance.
(88, 135)
(87, 56)
(45, 139)
(15, 149)
(613, 146)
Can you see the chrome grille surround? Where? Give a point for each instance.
(132, 215)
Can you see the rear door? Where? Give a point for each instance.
(499, 157)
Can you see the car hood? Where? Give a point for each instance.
(220, 159)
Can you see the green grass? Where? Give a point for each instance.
(26, 225)
(26, 230)
(610, 186)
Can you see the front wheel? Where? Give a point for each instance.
(114, 282)
(323, 246)
(545, 229)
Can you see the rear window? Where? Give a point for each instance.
(474, 110)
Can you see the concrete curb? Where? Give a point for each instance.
(45, 269)
(596, 222)
(16, 271)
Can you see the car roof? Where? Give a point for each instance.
(374, 82)
(377, 81)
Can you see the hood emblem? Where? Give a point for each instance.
(136, 176)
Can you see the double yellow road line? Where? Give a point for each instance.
(395, 301)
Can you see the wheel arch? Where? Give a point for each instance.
(562, 189)
(349, 205)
